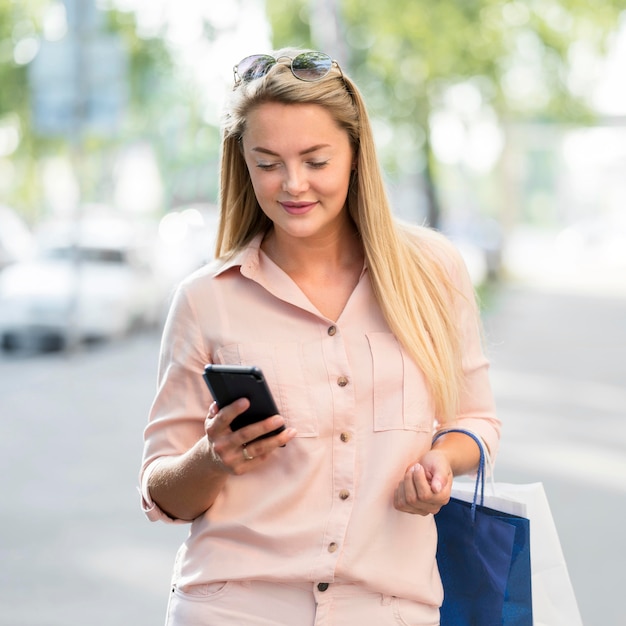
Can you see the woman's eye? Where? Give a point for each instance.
(267, 166)
(318, 164)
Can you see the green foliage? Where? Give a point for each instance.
(18, 21)
(290, 22)
(418, 47)
(149, 61)
(406, 54)
(156, 97)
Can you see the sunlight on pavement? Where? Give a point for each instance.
(574, 417)
(543, 388)
(590, 465)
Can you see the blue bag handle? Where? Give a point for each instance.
(480, 475)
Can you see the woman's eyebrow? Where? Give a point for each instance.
(302, 153)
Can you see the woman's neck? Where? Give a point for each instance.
(309, 256)
(327, 270)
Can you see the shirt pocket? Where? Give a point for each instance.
(401, 397)
(285, 373)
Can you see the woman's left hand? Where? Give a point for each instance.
(426, 485)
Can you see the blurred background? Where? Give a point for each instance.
(501, 123)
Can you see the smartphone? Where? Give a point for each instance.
(228, 383)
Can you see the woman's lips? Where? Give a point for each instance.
(297, 208)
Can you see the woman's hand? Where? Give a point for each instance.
(186, 486)
(426, 485)
(231, 450)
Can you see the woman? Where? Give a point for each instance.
(368, 334)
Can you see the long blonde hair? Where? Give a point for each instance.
(409, 280)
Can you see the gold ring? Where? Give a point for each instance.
(246, 454)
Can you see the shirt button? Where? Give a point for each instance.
(332, 330)
(342, 381)
(322, 586)
(345, 437)
(344, 494)
(332, 547)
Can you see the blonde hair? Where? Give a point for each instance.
(408, 276)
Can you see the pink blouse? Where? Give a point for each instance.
(321, 508)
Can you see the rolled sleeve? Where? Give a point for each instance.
(181, 403)
(477, 410)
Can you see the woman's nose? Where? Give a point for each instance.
(295, 181)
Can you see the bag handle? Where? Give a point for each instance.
(480, 474)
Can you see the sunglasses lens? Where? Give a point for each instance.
(311, 66)
(255, 66)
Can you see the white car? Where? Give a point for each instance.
(16, 241)
(101, 286)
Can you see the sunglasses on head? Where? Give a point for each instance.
(306, 66)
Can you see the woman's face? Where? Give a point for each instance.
(300, 163)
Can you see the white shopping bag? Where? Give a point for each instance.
(554, 602)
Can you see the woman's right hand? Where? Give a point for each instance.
(186, 486)
(236, 452)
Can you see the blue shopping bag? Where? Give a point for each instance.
(483, 557)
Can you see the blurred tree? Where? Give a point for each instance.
(14, 23)
(19, 26)
(154, 94)
(166, 112)
(407, 54)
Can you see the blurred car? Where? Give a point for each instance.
(598, 242)
(16, 240)
(480, 241)
(88, 281)
(186, 240)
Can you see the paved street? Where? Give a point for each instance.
(559, 374)
(75, 549)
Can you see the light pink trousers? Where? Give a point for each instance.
(258, 603)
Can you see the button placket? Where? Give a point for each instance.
(340, 373)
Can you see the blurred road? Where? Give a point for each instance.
(559, 374)
(74, 547)
(76, 550)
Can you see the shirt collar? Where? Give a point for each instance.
(247, 258)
